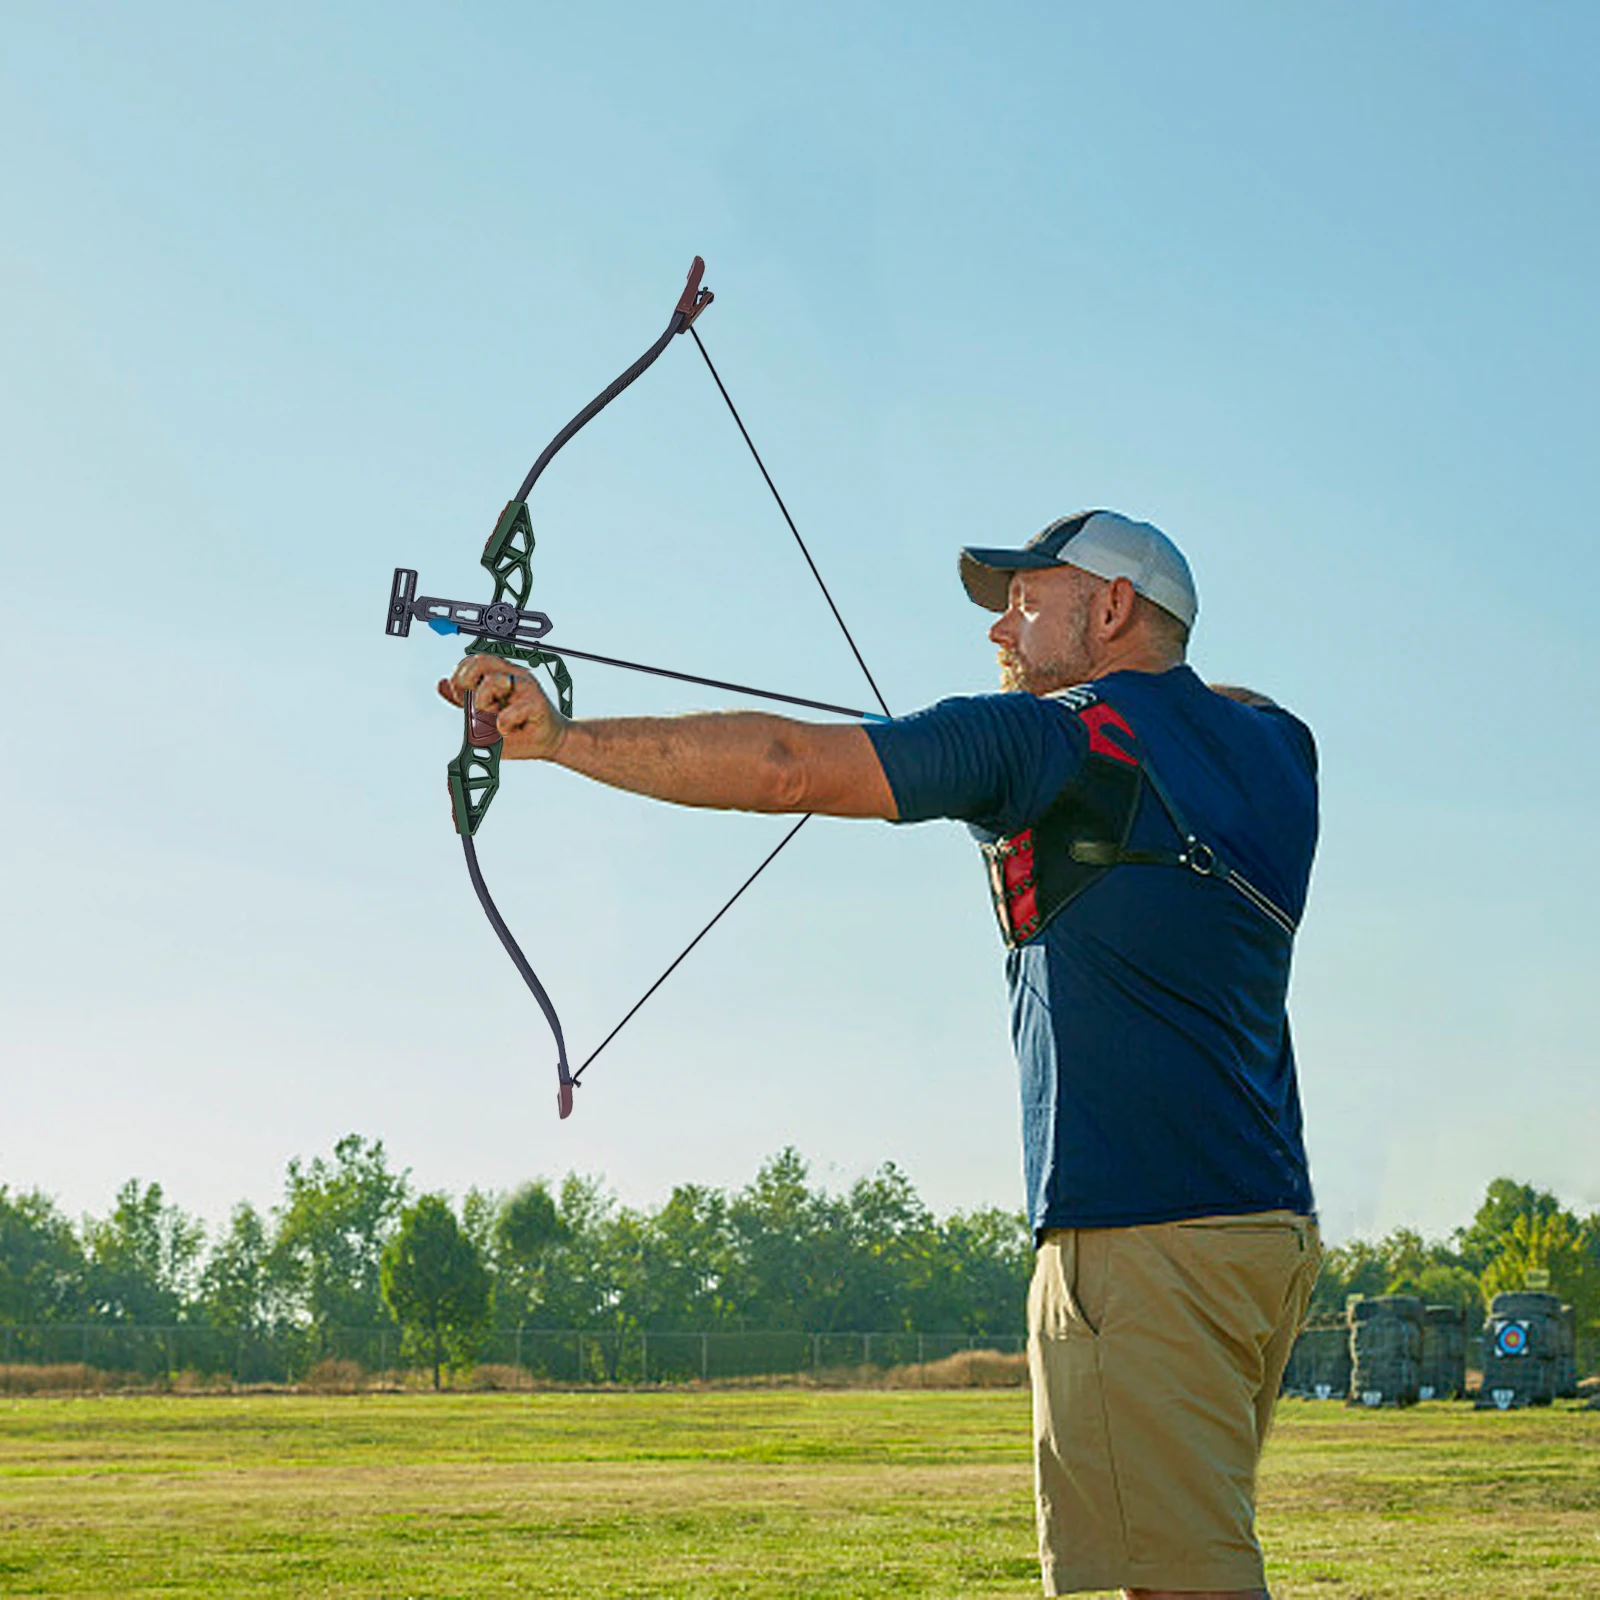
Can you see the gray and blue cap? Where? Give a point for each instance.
(1104, 543)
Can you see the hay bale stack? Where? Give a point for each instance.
(1444, 1353)
(1296, 1380)
(1319, 1364)
(1523, 1341)
(1386, 1350)
(1566, 1375)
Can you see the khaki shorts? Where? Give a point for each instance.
(1156, 1355)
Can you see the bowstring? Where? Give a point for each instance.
(777, 850)
(734, 410)
(673, 965)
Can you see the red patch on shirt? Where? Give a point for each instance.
(1097, 719)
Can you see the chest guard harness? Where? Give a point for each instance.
(1034, 874)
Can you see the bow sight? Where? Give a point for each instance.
(497, 620)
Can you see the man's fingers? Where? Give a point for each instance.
(490, 681)
(527, 706)
(472, 671)
(523, 712)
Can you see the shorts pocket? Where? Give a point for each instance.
(1066, 1299)
(1256, 1226)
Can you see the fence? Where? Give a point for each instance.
(156, 1354)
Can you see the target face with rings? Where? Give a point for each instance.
(1511, 1339)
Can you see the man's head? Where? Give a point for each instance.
(1091, 594)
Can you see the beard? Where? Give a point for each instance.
(1013, 675)
(1069, 663)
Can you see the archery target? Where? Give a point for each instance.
(1511, 1339)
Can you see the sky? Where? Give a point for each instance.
(293, 295)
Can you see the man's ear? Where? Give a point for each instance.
(1120, 607)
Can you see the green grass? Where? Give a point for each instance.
(775, 1493)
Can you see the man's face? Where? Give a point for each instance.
(1044, 633)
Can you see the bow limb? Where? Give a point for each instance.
(690, 304)
(565, 1080)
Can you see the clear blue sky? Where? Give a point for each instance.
(292, 295)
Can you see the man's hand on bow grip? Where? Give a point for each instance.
(532, 728)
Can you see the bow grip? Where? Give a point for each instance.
(483, 727)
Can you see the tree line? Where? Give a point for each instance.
(350, 1245)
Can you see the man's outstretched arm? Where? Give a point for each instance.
(733, 760)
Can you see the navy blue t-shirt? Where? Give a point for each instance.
(1148, 1016)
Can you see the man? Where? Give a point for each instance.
(1149, 845)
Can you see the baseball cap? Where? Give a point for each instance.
(1105, 543)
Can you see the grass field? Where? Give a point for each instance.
(772, 1493)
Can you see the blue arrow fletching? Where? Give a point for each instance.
(443, 625)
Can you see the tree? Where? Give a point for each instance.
(1503, 1202)
(1359, 1267)
(689, 1266)
(788, 1242)
(143, 1258)
(335, 1219)
(480, 1213)
(983, 1263)
(434, 1280)
(887, 1264)
(1432, 1271)
(1403, 1262)
(1440, 1283)
(42, 1268)
(577, 1278)
(526, 1233)
(237, 1290)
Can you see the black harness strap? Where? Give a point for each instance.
(1036, 873)
(1200, 857)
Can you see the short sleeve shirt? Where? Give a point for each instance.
(1149, 1015)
